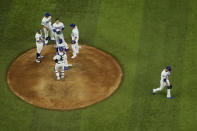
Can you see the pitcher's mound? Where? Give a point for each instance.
(94, 76)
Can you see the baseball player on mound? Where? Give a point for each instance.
(39, 45)
(75, 39)
(61, 62)
(58, 27)
(61, 44)
(164, 82)
(46, 23)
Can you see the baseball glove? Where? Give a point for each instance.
(56, 60)
(169, 87)
(73, 41)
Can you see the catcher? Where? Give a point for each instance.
(61, 62)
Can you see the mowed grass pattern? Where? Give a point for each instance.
(143, 35)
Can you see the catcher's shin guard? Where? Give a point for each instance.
(62, 74)
(57, 75)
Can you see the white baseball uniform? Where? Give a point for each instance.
(61, 59)
(75, 37)
(64, 45)
(164, 82)
(47, 23)
(58, 28)
(39, 42)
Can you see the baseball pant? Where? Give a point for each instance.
(46, 32)
(39, 46)
(75, 48)
(61, 68)
(162, 85)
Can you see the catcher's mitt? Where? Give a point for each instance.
(73, 42)
(169, 87)
(56, 60)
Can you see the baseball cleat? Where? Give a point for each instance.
(153, 93)
(46, 42)
(53, 39)
(170, 97)
(58, 78)
(73, 56)
(37, 61)
(62, 77)
(41, 57)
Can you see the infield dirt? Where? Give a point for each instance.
(94, 76)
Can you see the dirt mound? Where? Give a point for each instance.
(94, 76)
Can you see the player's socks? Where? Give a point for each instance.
(37, 55)
(168, 93)
(57, 75)
(62, 74)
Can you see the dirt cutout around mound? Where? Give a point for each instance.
(93, 77)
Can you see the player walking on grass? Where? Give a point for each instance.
(164, 82)
(58, 27)
(61, 62)
(46, 23)
(39, 45)
(75, 39)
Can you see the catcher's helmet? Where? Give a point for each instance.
(61, 49)
(168, 68)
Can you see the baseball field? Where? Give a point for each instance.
(144, 36)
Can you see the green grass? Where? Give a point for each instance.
(143, 35)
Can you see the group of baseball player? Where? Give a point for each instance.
(56, 34)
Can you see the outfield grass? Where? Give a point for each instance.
(143, 35)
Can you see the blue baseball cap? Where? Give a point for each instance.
(60, 41)
(61, 49)
(47, 14)
(72, 25)
(168, 68)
